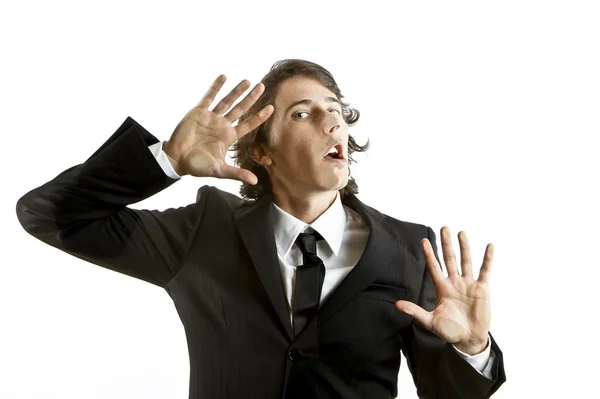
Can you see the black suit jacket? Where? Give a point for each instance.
(217, 260)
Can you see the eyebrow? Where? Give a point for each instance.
(308, 102)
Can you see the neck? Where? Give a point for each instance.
(306, 207)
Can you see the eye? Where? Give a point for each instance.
(336, 110)
(300, 113)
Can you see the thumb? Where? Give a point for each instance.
(243, 175)
(421, 315)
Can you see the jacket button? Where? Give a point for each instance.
(295, 354)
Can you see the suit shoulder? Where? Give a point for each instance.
(410, 233)
(407, 231)
(404, 226)
(215, 197)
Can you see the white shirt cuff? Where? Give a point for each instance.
(163, 160)
(482, 362)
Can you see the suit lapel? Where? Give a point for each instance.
(382, 247)
(255, 225)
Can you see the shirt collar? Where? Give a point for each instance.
(330, 225)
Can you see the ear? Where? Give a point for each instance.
(259, 154)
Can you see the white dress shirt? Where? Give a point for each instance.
(345, 238)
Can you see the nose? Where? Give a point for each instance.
(331, 123)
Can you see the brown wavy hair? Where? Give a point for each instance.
(279, 72)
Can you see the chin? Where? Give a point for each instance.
(333, 184)
(340, 185)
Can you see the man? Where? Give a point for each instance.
(299, 290)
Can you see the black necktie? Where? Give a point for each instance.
(309, 281)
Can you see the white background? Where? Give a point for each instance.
(482, 116)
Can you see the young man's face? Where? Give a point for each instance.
(306, 124)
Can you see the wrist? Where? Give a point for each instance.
(472, 347)
(173, 159)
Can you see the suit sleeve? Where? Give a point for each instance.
(83, 211)
(437, 369)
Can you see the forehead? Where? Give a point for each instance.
(300, 88)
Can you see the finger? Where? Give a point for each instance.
(433, 266)
(244, 105)
(465, 255)
(486, 267)
(230, 98)
(211, 93)
(449, 257)
(253, 122)
(421, 315)
(243, 175)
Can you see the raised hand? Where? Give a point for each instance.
(200, 142)
(462, 312)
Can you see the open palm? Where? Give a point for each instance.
(200, 142)
(462, 312)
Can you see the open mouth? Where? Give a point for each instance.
(336, 152)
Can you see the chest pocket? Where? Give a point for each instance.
(349, 338)
(387, 293)
(380, 300)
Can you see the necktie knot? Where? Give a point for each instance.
(307, 242)
(309, 281)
